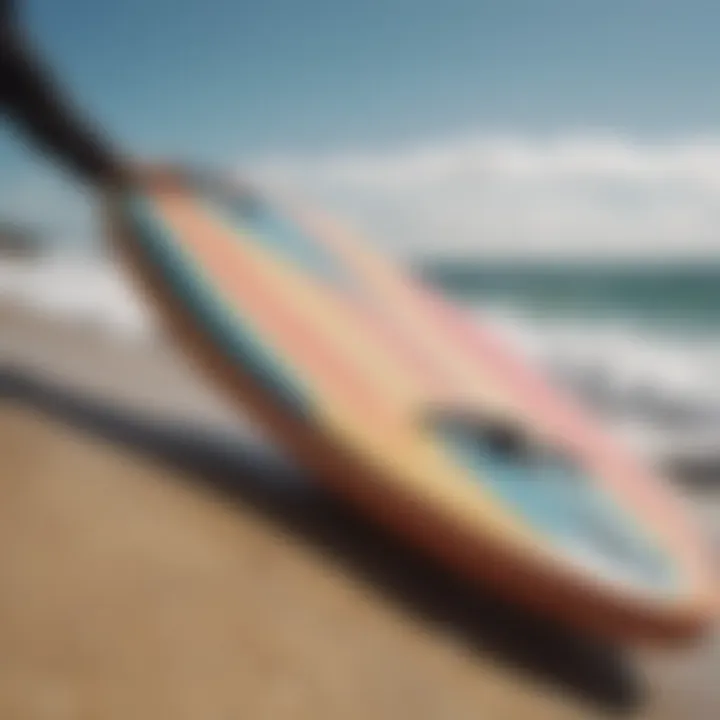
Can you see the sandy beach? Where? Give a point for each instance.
(159, 561)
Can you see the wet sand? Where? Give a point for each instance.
(158, 562)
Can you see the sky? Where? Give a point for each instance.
(511, 126)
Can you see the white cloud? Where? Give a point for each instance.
(578, 194)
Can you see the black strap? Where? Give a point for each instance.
(31, 98)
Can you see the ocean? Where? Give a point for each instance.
(638, 343)
(681, 298)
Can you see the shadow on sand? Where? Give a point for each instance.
(598, 674)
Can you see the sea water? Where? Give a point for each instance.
(638, 343)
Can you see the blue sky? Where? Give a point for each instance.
(209, 77)
(233, 82)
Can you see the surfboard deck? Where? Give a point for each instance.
(395, 399)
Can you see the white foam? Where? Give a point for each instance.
(658, 391)
(78, 290)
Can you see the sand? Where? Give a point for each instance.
(157, 561)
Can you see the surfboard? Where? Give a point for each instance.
(395, 398)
